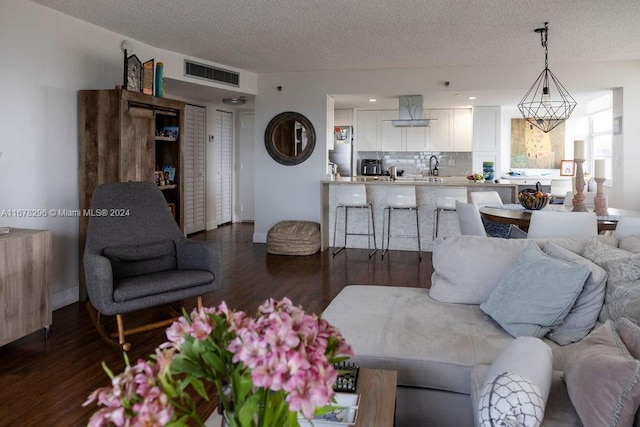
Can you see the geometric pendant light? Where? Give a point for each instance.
(547, 103)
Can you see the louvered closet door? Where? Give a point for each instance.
(224, 157)
(194, 169)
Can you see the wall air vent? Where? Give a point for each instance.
(212, 74)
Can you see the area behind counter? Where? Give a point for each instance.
(403, 222)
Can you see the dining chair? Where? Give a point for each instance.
(589, 197)
(627, 226)
(560, 187)
(469, 219)
(485, 198)
(546, 224)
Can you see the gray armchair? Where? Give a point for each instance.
(135, 257)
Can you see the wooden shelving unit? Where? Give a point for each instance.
(122, 138)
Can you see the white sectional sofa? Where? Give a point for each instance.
(441, 342)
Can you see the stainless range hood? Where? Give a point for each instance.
(410, 112)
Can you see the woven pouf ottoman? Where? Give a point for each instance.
(294, 238)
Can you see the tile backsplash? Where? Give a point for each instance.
(417, 162)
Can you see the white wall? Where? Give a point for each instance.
(293, 192)
(46, 58)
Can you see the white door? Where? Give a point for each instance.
(194, 168)
(246, 191)
(224, 157)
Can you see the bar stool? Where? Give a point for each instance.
(446, 201)
(400, 197)
(353, 197)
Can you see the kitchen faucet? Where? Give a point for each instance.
(431, 169)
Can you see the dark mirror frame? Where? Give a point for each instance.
(270, 134)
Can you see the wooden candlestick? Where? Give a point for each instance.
(578, 198)
(600, 201)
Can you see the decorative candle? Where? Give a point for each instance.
(578, 149)
(600, 168)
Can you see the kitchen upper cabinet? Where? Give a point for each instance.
(451, 131)
(486, 129)
(343, 117)
(441, 130)
(367, 131)
(392, 138)
(462, 130)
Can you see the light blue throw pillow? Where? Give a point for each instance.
(537, 293)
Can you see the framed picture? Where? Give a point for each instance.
(134, 74)
(147, 77)
(567, 167)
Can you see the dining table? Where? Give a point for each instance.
(516, 214)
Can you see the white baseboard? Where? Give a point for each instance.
(259, 237)
(64, 298)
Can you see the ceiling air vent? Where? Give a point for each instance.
(212, 74)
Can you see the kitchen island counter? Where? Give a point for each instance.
(426, 195)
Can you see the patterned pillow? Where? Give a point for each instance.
(510, 400)
(623, 268)
(622, 299)
(599, 252)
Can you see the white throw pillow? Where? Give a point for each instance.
(517, 385)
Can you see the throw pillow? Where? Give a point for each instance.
(584, 314)
(631, 244)
(131, 260)
(486, 261)
(528, 301)
(623, 268)
(599, 252)
(622, 299)
(511, 400)
(517, 385)
(630, 334)
(603, 379)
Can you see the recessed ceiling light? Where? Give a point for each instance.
(457, 94)
(472, 97)
(234, 101)
(372, 100)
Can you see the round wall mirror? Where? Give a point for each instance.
(290, 138)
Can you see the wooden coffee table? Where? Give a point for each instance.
(377, 406)
(377, 390)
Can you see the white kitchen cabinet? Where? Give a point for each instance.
(392, 138)
(486, 129)
(343, 117)
(367, 131)
(462, 130)
(441, 130)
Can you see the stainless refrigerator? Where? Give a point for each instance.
(342, 153)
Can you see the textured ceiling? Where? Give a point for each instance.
(268, 36)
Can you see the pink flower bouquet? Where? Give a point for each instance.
(266, 370)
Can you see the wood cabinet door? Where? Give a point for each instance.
(137, 146)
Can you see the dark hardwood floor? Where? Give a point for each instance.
(44, 382)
